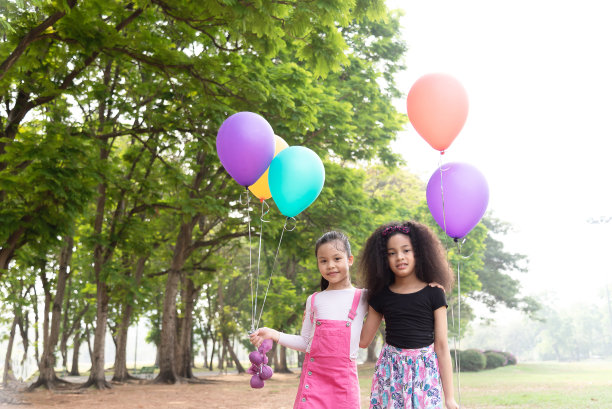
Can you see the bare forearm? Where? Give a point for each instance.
(446, 370)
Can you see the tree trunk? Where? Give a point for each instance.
(212, 353)
(23, 323)
(66, 332)
(88, 338)
(282, 361)
(221, 357)
(273, 357)
(233, 355)
(121, 373)
(8, 370)
(74, 371)
(96, 376)
(167, 372)
(184, 356)
(36, 322)
(47, 377)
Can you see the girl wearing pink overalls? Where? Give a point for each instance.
(330, 332)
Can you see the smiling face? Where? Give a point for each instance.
(334, 264)
(400, 255)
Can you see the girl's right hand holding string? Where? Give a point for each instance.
(260, 334)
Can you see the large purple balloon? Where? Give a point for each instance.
(457, 196)
(245, 145)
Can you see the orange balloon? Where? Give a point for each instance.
(437, 107)
(260, 188)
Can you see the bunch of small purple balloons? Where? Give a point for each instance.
(259, 368)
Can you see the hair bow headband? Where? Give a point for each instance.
(393, 229)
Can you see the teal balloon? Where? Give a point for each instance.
(296, 178)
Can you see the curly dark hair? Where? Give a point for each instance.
(429, 254)
(328, 237)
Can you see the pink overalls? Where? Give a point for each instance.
(329, 375)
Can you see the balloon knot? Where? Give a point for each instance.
(441, 152)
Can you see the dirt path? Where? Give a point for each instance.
(219, 392)
(230, 391)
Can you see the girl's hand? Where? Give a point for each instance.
(260, 334)
(451, 404)
(434, 284)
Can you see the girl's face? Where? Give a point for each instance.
(334, 264)
(400, 255)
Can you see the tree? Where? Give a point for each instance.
(498, 287)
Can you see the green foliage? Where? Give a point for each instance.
(498, 287)
(494, 359)
(472, 360)
(109, 122)
(510, 358)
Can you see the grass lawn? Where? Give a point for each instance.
(531, 385)
(571, 385)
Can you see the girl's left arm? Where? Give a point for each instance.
(368, 332)
(444, 358)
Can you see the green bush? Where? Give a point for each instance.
(472, 360)
(495, 359)
(510, 359)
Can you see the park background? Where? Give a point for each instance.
(539, 96)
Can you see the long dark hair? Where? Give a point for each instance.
(327, 238)
(429, 254)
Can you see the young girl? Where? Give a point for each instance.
(330, 332)
(398, 262)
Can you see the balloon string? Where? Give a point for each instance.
(273, 267)
(442, 192)
(263, 202)
(457, 364)
(259, 260)
(253, 303)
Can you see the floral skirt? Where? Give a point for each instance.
(407, 379)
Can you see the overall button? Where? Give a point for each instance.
(348, 324)
(309, 372)
(307, 386)
(303, 399)
(318, 322)
(311, 359)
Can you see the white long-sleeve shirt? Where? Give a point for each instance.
(329, 305)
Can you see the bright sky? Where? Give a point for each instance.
(538, 74)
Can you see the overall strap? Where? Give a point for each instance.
(312, 308)
(353, 312)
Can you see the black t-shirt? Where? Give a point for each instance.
(409, 319)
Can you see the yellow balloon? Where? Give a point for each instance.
(261, 189)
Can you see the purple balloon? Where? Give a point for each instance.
(457, 197)
(266, 372)
(256, 357)
(245, 146)
(265, 346)
(256, 382)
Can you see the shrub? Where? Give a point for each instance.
(498, 352)
(511, 359)
(495, 359)
(472, 360)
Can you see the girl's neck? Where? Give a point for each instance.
(409, 284)
(345, 285)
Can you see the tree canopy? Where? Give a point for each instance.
(115, 206)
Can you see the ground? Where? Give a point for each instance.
(230, 391)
